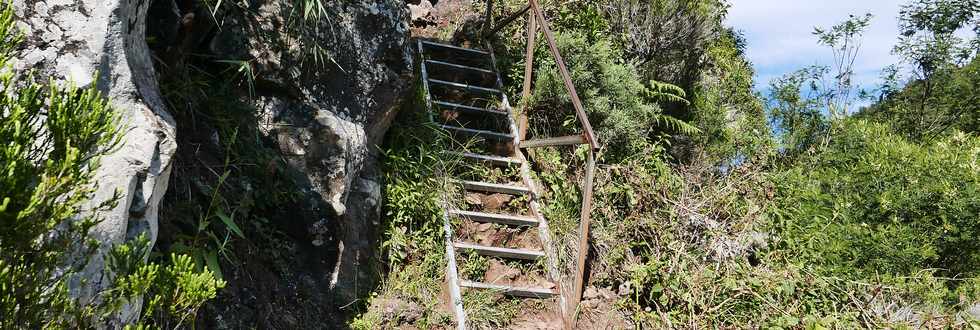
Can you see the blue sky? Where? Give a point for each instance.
(780, 38)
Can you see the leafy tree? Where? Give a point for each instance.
(928, 38)
(845, 41)
(799, 100)
(726, 108)
(668, 39)
(795, 109)
(926, 109)
(940, 91)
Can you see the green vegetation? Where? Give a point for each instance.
(413, 232)
(876, 203)
(54, 136)
(624, 109)
(717, 208)
(714, 206)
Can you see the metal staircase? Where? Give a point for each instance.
(463, 93)
(463, 86)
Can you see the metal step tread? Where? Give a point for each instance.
(466, 86)
(496, 135)
(467, 108)
(459, 66)
(501, 252)
(527, 292)
(487, 158)
(494, 187)
(438, 44)
(504, 219)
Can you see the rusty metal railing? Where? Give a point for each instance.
(537, 21)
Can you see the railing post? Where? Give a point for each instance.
(488, 21)
(532, 32)
(566, 77)
(510, 19)
(583, 240)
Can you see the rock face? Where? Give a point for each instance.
(69, 40)
(327, 84)
(329, 94)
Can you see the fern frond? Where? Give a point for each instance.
(666, 98)
(676, 125)
(664, 92)
(662, 87)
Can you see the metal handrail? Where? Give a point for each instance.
(588, 137)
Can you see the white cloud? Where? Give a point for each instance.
(780, 34)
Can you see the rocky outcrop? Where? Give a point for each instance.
(329, 92)
(72, 41)
(326, 83)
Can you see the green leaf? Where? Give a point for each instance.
(212, 261)
(230, 223)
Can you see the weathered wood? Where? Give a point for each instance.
(442, 45)
(480, 133)
(488, 19)
(566, 77)
(468, 109)
(425, 84)
(466, 86)
(459, 66)
(556, 141)
(495, 160)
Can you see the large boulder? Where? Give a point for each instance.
(71, 41)
(328, 93)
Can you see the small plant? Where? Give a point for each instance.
(55, 135)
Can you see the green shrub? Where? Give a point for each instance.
(926, 109)
(53, 137)
(413, 240)
(726, 108)
(874, 202)
(623, 109)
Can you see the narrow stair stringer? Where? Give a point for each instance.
(452, 276)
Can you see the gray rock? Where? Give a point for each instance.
(394, 312)
(328, 110)
(69, 40)
(421, 11)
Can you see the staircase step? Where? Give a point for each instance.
(495, 188)
(477, 132)
(436, 44)
(493, 251)
(466, 86)
(526, 292)
(459, 66)
(469, 109)
(495, 160)
(503, 219)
